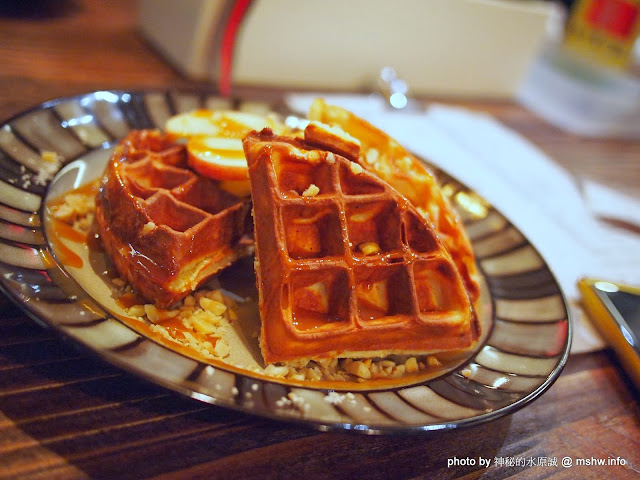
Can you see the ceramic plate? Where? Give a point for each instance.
(526, 330)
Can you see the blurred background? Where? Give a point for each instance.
(572, 62)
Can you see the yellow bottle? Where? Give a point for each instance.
(604, 31)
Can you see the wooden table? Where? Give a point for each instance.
(64, 414)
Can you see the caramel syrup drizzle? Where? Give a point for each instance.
(61, 230)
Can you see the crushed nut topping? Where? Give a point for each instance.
(331, 158)
(202, 320)
(148, 228)
(311, 191)
(355, 168)
(404, 164)
(369, 248)
(371, 156)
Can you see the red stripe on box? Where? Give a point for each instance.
(236, 16)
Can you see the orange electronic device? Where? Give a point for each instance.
(615, 312)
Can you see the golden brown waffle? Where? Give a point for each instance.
(346, 266)
(166, 228)
(385, 157)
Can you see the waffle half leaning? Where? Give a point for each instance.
(345, 265)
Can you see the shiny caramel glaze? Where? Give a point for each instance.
(320, 295)
(166, 229)
(386, 158)
(238, 279)
(61, 230)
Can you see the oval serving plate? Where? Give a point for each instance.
(526, 329)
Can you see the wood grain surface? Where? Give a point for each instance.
(65, 414)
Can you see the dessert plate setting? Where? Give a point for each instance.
(526, 331)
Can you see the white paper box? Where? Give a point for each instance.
(444, 47)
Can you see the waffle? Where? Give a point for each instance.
(345, 265)
(166, 229)
(386, 158)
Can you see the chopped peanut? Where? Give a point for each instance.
(313, 156)
(369, 248)
(404, 163)
(201, 326)
(49, 156)
(148, 228)
(216, 295)
(276, 370)
(311, 191)
(433, 361)
(152, 313)
(411, 365)
(371, 156)
(359, 369)
(222, 348)
(136, 311)
(213, 306)
(355, 168)
(75, 205)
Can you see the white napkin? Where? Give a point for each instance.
(529, 188)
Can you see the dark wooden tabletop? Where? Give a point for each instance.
(66, 414)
